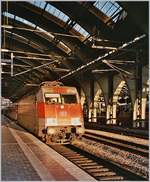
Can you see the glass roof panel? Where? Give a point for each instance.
(99, 5)
(25, 21)
(60, 45)
(109, 8)
(106, 7)
(81, 30)
(59, 14)
(56, 12)
(117, 5)
(50, 8)
(8, 15)
(40, 4)
(116, 18)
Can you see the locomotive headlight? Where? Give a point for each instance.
(51, 122)
(75, 121)
(50, 131)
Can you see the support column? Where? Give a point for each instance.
(118, 84)
(132, 89)
(144, 96)
(86, 90)
(97, 93)
(137, 113)
(92, 113)
(104, 83)
(12, 64)
(109, 115)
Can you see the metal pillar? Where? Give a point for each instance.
(109, 115)
(138, 102)
(12, 63)
(91, 110)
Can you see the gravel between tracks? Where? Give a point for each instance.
(130, 161)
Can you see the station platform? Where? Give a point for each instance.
(132, 139)
(25, 158)
(144, 133)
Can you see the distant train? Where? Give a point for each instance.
(52, 112)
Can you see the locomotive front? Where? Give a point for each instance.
(63, 114)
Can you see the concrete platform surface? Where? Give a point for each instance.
(25, 158)
(131, 139)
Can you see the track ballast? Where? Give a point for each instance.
(97, 167)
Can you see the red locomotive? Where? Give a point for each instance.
(52, 112)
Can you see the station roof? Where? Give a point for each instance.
(69, 41)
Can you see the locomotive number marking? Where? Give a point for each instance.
(63, 113)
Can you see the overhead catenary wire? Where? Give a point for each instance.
(41, 31)
(59, 34)
(105, 40)
(102, 70)
(100, 58)
(115, 67)
(104, 61)
(35, 54)
(23, 52)
(52, 57)
(17, 65)
(120, 61)
(34, 58)
(37, 67)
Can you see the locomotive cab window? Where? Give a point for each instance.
(69, 99)
(52, 98)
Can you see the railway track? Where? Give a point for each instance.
(97, 167)
(121, 144)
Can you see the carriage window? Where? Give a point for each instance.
(52, 98)
(69, 99)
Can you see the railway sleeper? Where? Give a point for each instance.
(68, 152)
(98, 170)
(107, 173)
(76, 158)
(93, 167)
(111, 178)
(88, 164)
(72, 156)
(83, 162)
(81, 158)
